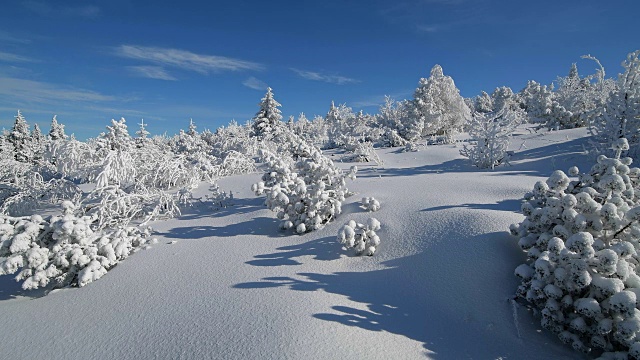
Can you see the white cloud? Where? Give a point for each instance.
(152, 72)
(255, 84)
(183, 59)
(41, 92)
(46, 9)
(14, 58)
(316, 76)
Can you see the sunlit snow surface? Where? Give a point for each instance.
(230, 285)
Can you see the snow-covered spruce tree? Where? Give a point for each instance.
(63, 250)
(438, 106)
(362, 238)
(37, 144)
(268, 117)
(116, 138)
(582, 239)
(620, 116)
(305, 189)
(340, 121)
(56, 132)
(20, 137)
(142, 135)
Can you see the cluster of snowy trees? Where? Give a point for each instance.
(131, 180)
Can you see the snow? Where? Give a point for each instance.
(232, 286)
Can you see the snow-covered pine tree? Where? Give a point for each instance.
(620, 117)
(582, 239)
(192, 129)
(504, 98)
(340, 121)
(437, 104)
(56, 132)
(20, 137)
(116, 138)
(37, 143)
(301, 184)
(483, 103)
(142, 134)
(269, 117)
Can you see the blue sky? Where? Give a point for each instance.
(91, 61)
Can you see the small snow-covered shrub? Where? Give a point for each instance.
(370, 204)
(391, 138)
(360, 237)
(63, 249)
(582, 239)
(411, 147)
(364, 152)
(306, 190)
(491, 135)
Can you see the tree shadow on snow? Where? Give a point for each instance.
(451, 297)
(533, 162)
(263, 226)
(321, 249)
(11, 289)
(511, 205)
(238, 206)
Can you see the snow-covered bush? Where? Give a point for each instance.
(582, 239)
(63, 249)
(370, 204)
(491, 134)
(360, 237)
(364, 152)
(306, 189)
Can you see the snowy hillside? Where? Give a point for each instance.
(229, 285)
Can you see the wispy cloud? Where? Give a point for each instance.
(7, 37)
(316, 76)
(185, 60)
(8, 57)
(41, 92)
(152, 72)
(46, 9)
(255, 84)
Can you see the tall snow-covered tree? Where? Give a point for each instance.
(620, 117)
(142, 135)
(20, 138)
(56, 132)
(268, 118)
(437, 104)
(340, 121)
(483, 103)
(192, 128)
(504, 98)
(117, 136)
(37, 143)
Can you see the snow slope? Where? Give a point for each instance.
(230, 285)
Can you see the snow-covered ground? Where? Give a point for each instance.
(230, 285)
